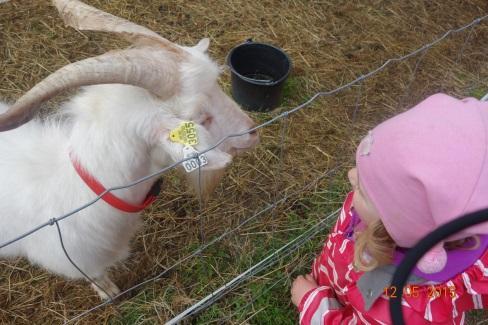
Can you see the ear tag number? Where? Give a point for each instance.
(185, 133)
(192, 164)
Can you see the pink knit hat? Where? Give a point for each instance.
(425, 167)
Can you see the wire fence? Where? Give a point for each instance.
(201, 249)
(288, 248)
(282, 252)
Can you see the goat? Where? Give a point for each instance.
(117, 129)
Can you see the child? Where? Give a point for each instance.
(415, 172)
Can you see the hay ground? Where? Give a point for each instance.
(330, 42)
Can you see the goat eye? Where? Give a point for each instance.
(206, 122)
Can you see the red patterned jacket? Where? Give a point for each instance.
(340, 300)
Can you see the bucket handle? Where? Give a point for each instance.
(259, 81)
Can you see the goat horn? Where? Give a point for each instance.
(84, 17)
(153, 69)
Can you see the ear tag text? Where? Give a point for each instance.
(192, 164)
(185, 133)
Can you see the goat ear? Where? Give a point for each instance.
(167, 152)
(203, 45)
(217, 159)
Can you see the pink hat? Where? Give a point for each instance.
(425, 167)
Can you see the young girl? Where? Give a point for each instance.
(414, 172)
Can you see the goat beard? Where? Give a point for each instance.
(205, 182)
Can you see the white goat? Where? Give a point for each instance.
(118, 132)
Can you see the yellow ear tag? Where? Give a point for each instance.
(185, 134)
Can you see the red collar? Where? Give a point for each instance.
(108, 197)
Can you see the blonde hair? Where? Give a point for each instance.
(374, 247)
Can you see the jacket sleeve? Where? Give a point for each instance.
(320, 306)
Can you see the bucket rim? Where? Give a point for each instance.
(253, 81)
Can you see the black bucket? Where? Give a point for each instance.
(259, 72)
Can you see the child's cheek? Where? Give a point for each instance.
(355, 200)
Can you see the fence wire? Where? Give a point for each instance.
(288, 248)
(263, 292)
(202, 248)
(52, 221)
(280, 253)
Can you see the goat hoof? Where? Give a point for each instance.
(110, 289)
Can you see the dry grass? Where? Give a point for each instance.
(330, 42)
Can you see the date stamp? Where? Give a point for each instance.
(414, 291)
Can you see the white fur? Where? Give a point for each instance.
(119, 133)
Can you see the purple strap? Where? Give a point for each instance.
(458, 260)
(352, 225)
(355, 224)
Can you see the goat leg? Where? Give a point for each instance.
(110, 289)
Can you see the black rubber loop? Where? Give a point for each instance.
(415, 254)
